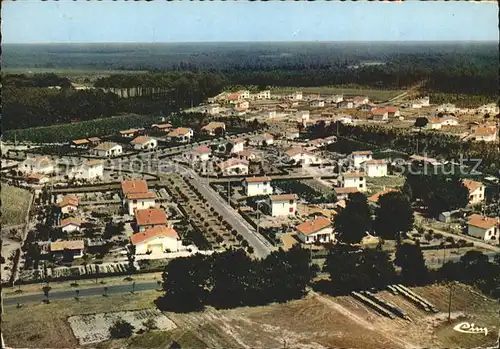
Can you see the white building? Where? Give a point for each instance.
(485, 228)
(144, 143)
(356, 158)
(353, 180)
(213, 127)
(201, 153)
(476, 191)
(299, 155)
(434, 124)
(255, 186)
(149, 218)
(60, 248)
(139, 201)
(156, 241)
(447, 108)
(68, 204)
(88, 169)
(70, 224)
(261, 95)
(263, 139)
(412, 105)
(317, 103)
(318, 229)
(346, 104)
(375, 168)
(234, 166)
(212, 109)
(292, 133)
(449, 121)
(343, 193)
(38, 164)
(296, 96)
(360, 100)
(282, 205)
(181, 134)
(107, 149)
(303, 116)
(337, 98)
(380, 114)
(485, 134)
(238, 145)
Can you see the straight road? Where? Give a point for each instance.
(261, 246)
(84, 292)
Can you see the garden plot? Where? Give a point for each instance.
(93, 328)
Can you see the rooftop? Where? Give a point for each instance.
(233, 162)
(479, 221)
(68, 200)
(314, 225)
(138, 196)
(154, 232)
(106, 146)
(70, 220)
(283, 197)
(374, 197)
(347, 190)
(151, 216)
(67, 245)
(134, 186)
(141, 140)
(472, 185)
(257, 179)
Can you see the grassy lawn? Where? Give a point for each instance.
(378, 95)
(378, 184)
(15, 203)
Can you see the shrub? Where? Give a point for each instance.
(121, 329)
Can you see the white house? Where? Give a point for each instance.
(69, 203)
(413, 105)
(156, 241)
(299, 155)
(70, 224)
(485, 134)
(380, 114)
(446, 108)
(201, 153)
(213, 127)
(296, 96)
(449, 121)
(238, 145)
(282, 205)
(360, 100)
(149, 218)
(212, 109)
(375, 168)
(476, 191)
(263, 139)
(316, 230)
(38, 164)
(303, 116)
(88, 169)
(261, 95)
(108, 149)
(292, 133)
(181, 134)
(393, 112)
(337, 98)
(356, 158)
(485, 228)
(434, 124)
(317, 103)
(255, 186)
(367, 107)
(139, 201)
(353, 180)
(346, 104)
(130, 132)
(144, 143)
(75, 247)
(343, 193)
(249, 155)
(234, 166)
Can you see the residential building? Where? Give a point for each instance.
(212, 109)
(108, 149)
(139, 201)
(449, 121)
(269, 112)
(317, 103)
(263, 139)
(356, 158)
(237, 111)
(249, 155)
(292, 133)
(337, 99)
(485, 228)
(447, 108)
(380, 114)
(234, 166)
(201, 153)
(74, 247)
(130, 132)
(343, 193)
(238, 144)
(94, 140)
(254, 186)
(243, 105)
(485, 134)
(413, 105)
(367, 107)
(181, 134)
(214, 128)
(68, 204)
(375, 168)
(303, 116)
(133, 186)
(80, 143)
(144, 143)
(317, 143)
(36, 178)
(301, 156)
(424, 101)
(282, 205)
(353, 180)
(161, 127)
(374, 198)
(476, 191)
(296, 96)
(360, 100)
(149, 218)
(89, 169)
(393, 112)
(434, 124)
(316, 230)
(70, 224)
(331, 139)
(346, 104)
(156, 241)
(37, 164)
(261, 95)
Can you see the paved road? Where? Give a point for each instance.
(84, 292)
(261, 246)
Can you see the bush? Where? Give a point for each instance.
(121, 329)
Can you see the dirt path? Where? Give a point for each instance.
(362, 322)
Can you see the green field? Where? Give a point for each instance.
(376, 95)
(69, 71)
(83, 129)
(15, 203)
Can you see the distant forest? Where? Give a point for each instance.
(188, 73)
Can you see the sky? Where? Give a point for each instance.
(65, 21)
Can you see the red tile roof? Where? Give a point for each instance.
(138, 196)
(257, 179)
(313, 225)
(202, 149)
(479, 221)
(154, 232)
(134, 187)
(152, 216)
(347, 190)
(283, 197)
(68, 200)
(70, 220)
(472, 185)
(141, 140)
(374, 197)
(80, 141)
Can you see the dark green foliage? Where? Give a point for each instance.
(352, 223)
(421, 122)
(394, 215)
(121, 329)
(411, 260)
